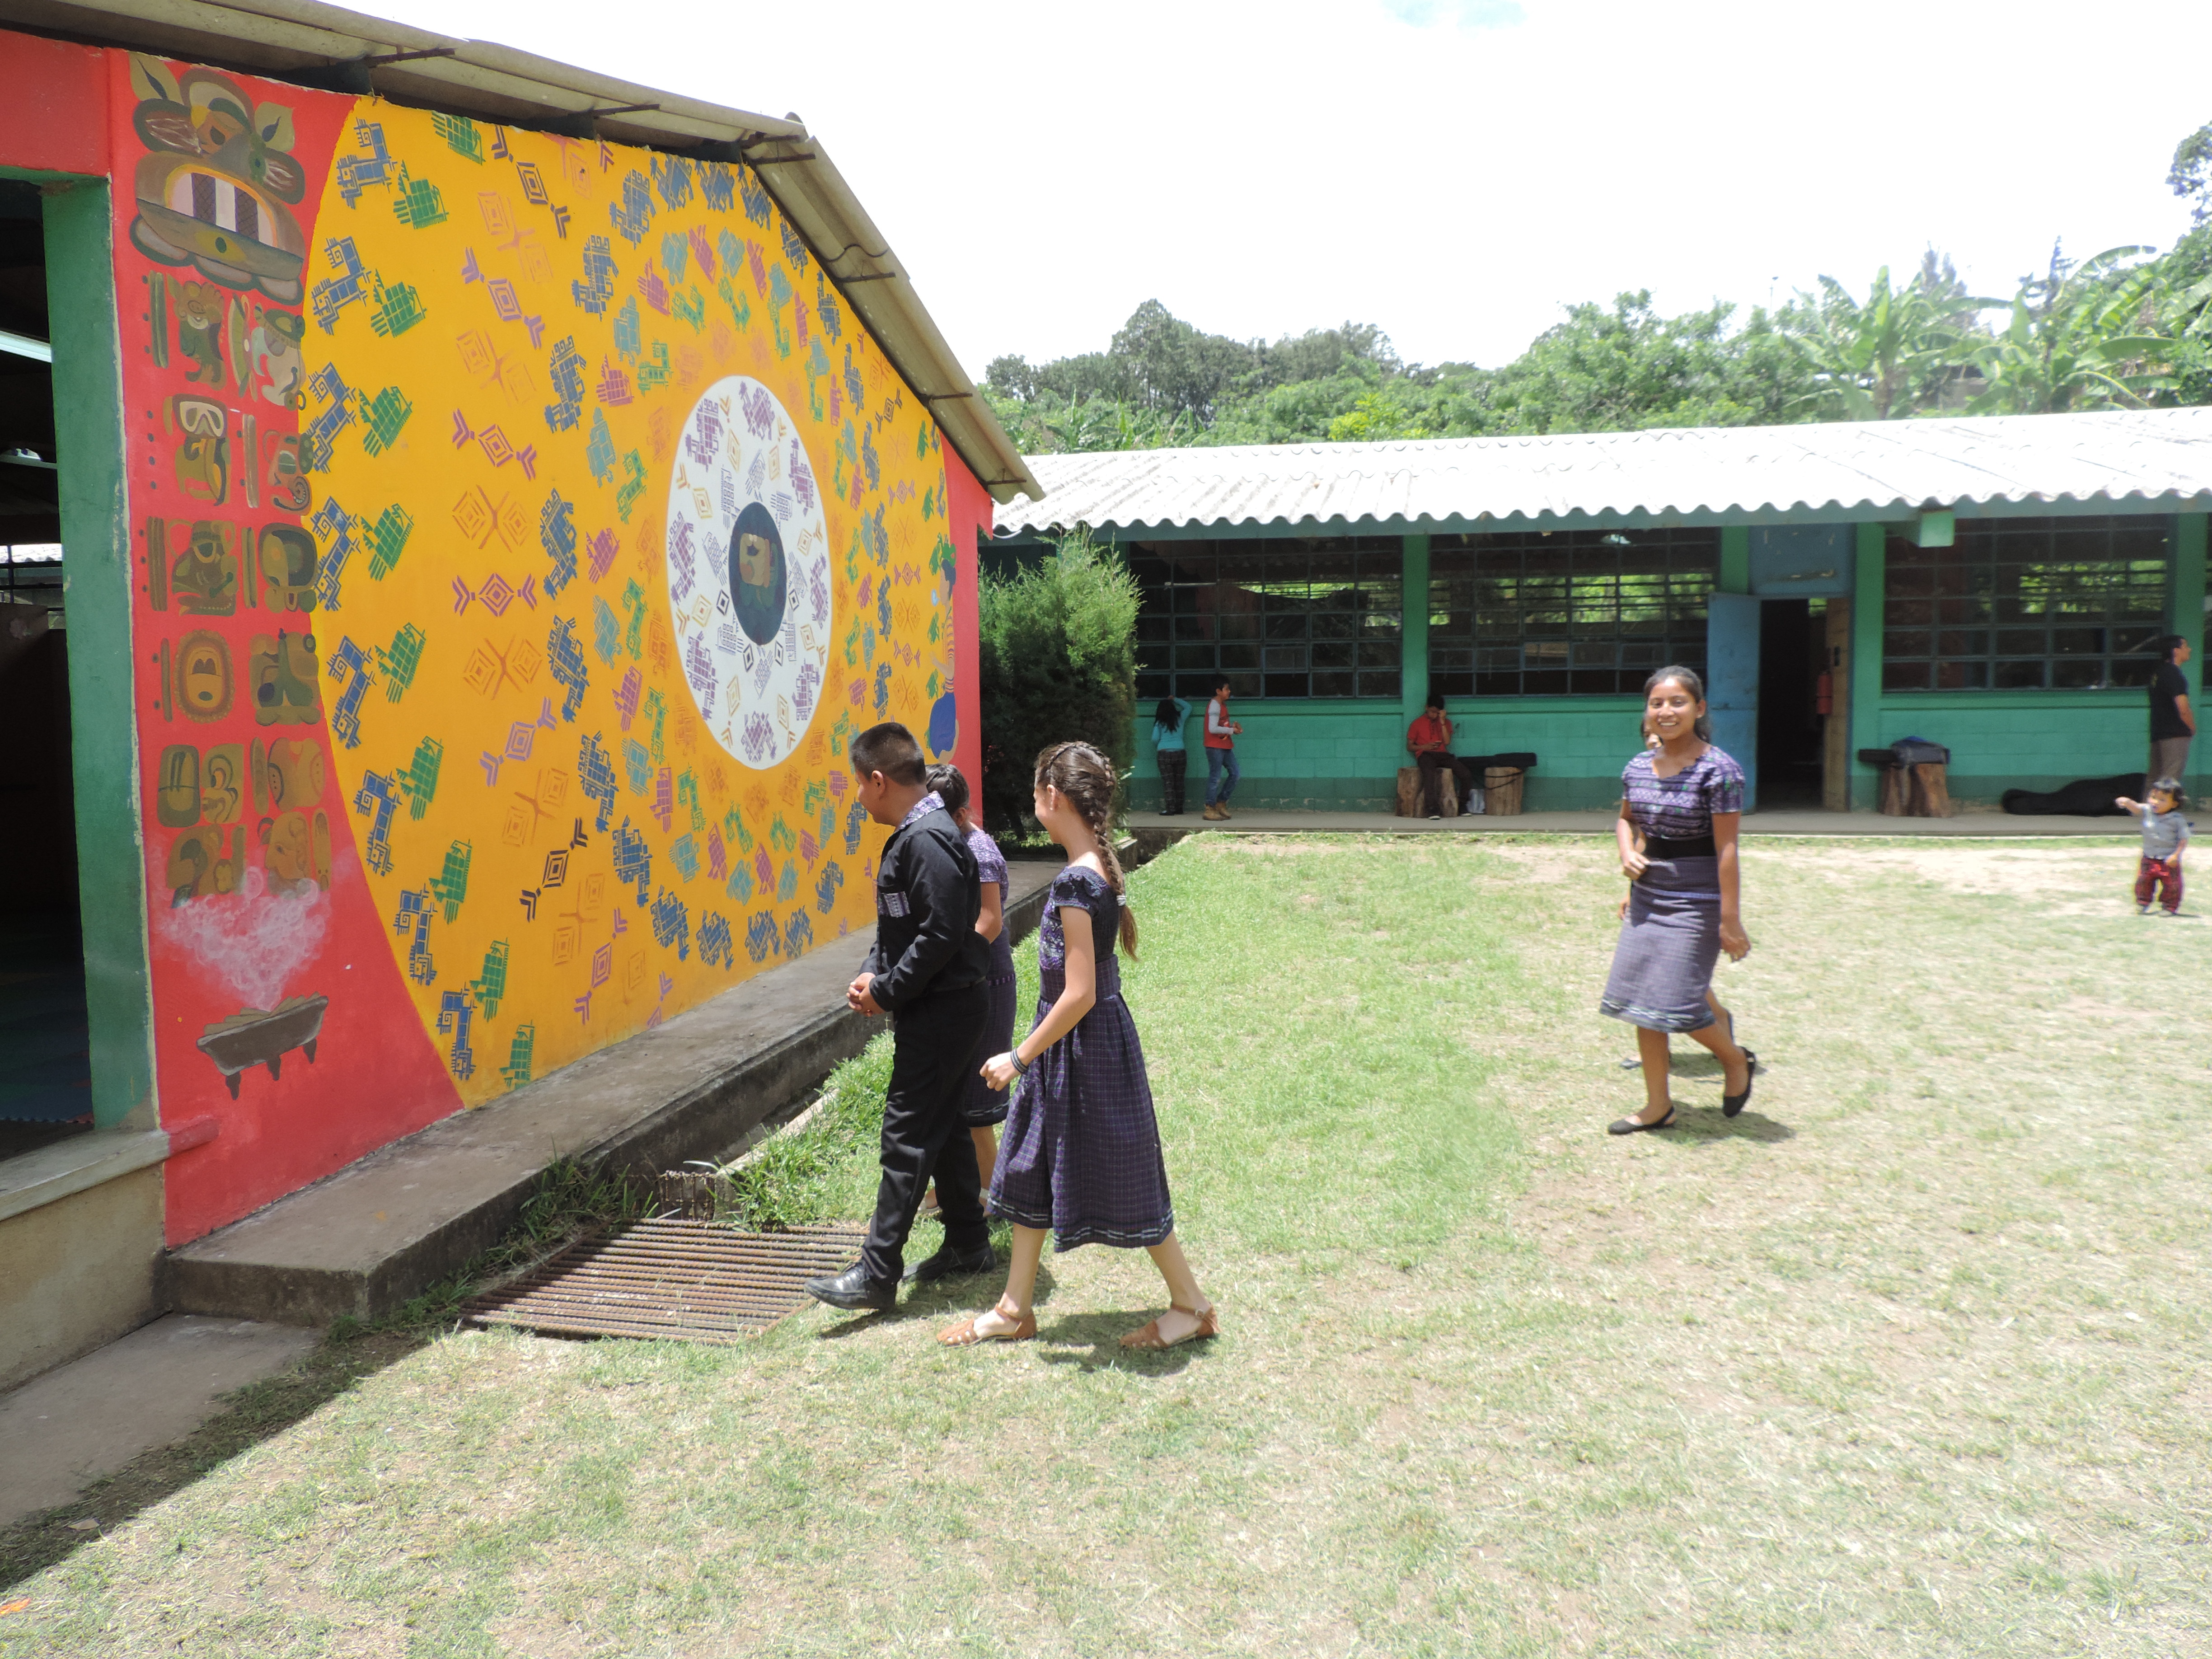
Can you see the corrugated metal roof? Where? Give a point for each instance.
(2150, 461)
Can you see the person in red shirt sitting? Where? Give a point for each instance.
(1430, 739)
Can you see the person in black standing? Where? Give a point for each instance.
(2173, 723)
(927, 971)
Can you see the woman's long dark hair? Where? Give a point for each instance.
(1085, 778)
(1168, 714)
(1688, 680)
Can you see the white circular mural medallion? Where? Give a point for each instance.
(748, 571)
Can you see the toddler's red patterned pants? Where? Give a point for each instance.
(2156, 873)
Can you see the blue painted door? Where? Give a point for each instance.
(1732, 683)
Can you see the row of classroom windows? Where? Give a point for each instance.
(2012, 604)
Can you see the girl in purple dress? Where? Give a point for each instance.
(1081, 1156)
(1685, 798)
(983, 1108)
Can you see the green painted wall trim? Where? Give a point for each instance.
(1735, 575)
(1866, 664)
(2128, 696)
(1414, 629)
(103, 729)
(2185, 604)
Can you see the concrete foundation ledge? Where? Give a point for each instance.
(67, 1167)
(362, 1240)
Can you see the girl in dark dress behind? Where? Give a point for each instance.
(1081, 1155)
(983, 1108)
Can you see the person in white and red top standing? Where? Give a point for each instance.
(1221, 771)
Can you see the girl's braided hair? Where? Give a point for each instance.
(1086, 779)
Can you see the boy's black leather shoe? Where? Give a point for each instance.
(853, 1289)
(949, 1263)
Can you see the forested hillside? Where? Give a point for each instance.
(2127, 328)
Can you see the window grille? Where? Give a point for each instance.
(1280, 617)
(1574, 611)
(2025, 605)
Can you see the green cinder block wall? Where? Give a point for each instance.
(2038, 740)
(1343, 755)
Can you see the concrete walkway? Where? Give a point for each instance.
(1807, 822)
(86, 1419)
(376, 1232)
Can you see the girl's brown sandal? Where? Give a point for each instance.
(965, 1335)
(1209, 1324)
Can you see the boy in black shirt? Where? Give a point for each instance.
(927, 971)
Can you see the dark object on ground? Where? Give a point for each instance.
(1521, 760)
(2085, 797)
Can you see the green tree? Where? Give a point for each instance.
(2186, 313)
(1629, 367)
(1899, 352)
(2080, 337)
(1057, 652)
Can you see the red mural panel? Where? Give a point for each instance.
(967, 516)
(278, 1010)
(53, 105)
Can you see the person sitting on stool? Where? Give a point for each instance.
(1430, 739)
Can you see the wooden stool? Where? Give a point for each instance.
(1409, 793)
(1916, 792)
(1501, 791)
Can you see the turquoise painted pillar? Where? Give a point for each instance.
(1867, 592)
(1735, 559)
(103, 724)
(2185, 614)
(1412, 634)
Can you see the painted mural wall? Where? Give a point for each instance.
(524, 527)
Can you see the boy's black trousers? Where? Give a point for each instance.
(936, 1042)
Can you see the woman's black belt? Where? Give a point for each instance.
(1696, 847)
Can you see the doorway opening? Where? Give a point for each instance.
(1792, 652)
(45, 1089)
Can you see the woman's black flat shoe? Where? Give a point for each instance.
(1731, 1104)
(1629, 1126)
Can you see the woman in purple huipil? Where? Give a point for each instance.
(1686, 798)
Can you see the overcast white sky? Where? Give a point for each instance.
(1453, 170)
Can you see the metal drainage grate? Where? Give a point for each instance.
(673, 1279)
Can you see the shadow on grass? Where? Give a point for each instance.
(1092, 1342)
(1706, 1127)
(570, 1200)
(940, 1300)
(257, 1412)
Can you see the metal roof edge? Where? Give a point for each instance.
(1894, 510)
(329, 43)
(1418, 448)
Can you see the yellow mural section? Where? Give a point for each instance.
(623, 528)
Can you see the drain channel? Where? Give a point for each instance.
(673, 1279)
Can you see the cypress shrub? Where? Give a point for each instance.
(1058, 652)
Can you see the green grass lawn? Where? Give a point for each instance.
(1911, 1359)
